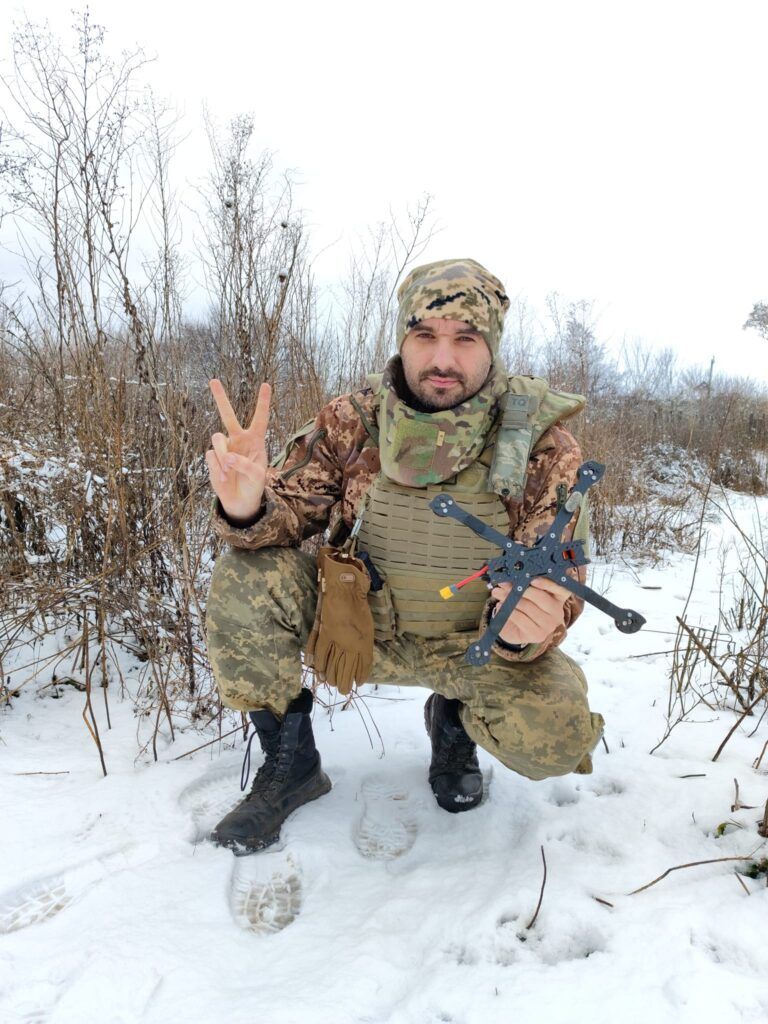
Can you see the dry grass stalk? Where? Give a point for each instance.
(692, 864)
(706, 650)
(739, 720)
(759, 760)
(88, 716)
(737, 805)
(762, 827)
(208, 744)
(742, 883)
(532, 922)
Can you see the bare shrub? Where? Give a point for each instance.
(366, 300)
(724, 665)
(104, 495)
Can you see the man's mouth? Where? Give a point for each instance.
(442, 382)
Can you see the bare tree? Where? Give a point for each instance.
(256, 265)
(647, 373)
(758, 319)
(520, 345)
(366, 307)
(69, 178)
(574, 359)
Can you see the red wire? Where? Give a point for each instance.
(474, 576)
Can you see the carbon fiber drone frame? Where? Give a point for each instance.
(549, 556)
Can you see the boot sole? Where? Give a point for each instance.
(242, 848)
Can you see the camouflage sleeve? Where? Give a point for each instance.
(304, 482)
(552, 472)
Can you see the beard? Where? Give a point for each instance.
(434, 399)
(425, 397)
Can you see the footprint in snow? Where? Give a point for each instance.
(605, 787)
(46, 897)
(720, 951)
(570, 940)
(562, 793)
(461, 955)
(209, 798)
(387, 827)
(103, 828)
(265, 892)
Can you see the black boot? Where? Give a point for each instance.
(454, 773)
(290, 776)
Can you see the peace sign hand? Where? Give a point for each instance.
(237, 463)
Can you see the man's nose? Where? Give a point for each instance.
(443, 354)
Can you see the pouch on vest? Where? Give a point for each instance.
(383, 611)
(529, 408)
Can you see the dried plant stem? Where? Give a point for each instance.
(210, 743)
(541, 894)
(693, 864)
(762, 828)
(741, 882)
(739, 720)
(708, 655)
(737, 805)
(356, 699)
(161, 678)
(759, 760)
(103, 650)
(91, 725)
(44, 661)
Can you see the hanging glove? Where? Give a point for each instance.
(340, 646)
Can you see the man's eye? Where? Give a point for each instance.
(467, 337)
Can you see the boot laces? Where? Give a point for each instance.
(457, 752)
(278, 758)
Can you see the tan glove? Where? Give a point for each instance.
(340, 646)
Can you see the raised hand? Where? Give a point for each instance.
(237, 460)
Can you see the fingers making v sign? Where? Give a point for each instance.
(237, 460)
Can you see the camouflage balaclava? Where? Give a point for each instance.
(453, 290)
(421, 448)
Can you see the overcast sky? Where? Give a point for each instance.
(612, 152)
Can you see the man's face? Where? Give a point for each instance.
(445, 362)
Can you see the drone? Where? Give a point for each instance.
(518, 564)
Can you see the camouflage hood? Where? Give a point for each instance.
(421, 448)
(453, 290)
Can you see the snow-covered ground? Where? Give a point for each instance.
(377, 906)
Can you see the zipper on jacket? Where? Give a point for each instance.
(318, 436)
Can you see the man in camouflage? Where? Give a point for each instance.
(437, 418)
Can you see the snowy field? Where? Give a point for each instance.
(378, 906)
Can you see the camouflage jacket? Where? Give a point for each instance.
(324, 472)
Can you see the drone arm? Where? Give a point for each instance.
(626, 619)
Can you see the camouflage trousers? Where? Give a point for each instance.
(534, 718)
